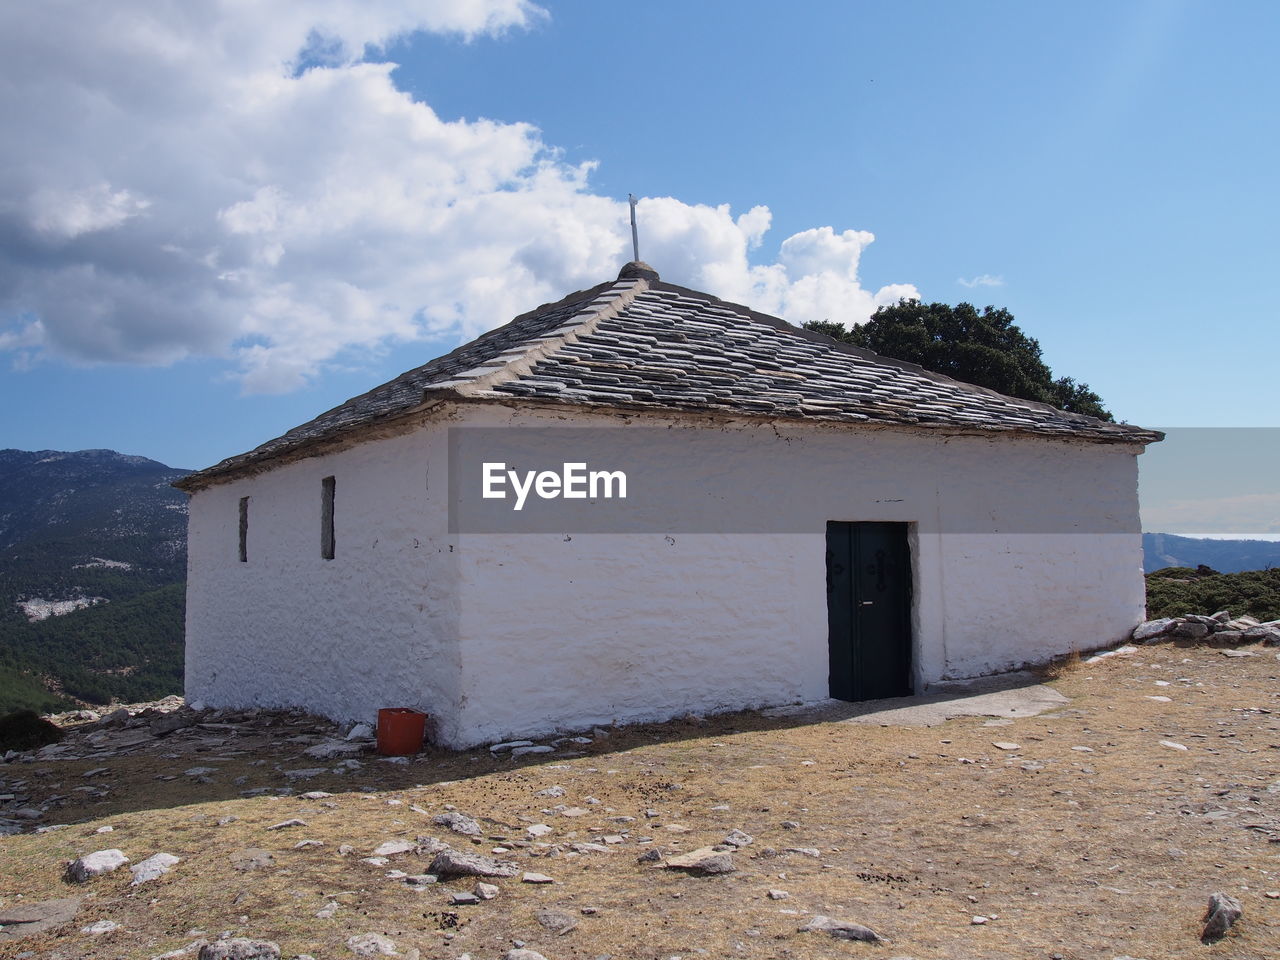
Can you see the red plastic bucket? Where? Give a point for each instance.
(401, 731)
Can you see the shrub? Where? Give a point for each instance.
(27, 730)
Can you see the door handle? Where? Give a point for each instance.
(866, 603)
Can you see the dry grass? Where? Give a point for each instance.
(1062, 667)
(1083, 854)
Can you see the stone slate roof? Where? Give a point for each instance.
(640, 343)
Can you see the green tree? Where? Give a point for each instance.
(982, 347)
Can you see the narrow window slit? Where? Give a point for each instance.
(326, 518)
(244, 529)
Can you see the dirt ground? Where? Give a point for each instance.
(1104, 852)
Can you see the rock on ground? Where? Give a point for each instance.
(1266, 633)
(458, 823)
(842, 930)
(510, 744)
(541, 748)
(169, 722)
(455, 863)
(153, 868)
(393, 847)
(1223, 912)
(361, 731)
(371, 945)
(95, 865)
(557, 921)
(101, 927)
(1154, 628)
(24, 919)
(251, 858)
(240, 949)
(523, 954)
(335, 749)
(304, 773)
(430, 846)
(702, 860)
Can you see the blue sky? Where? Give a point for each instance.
(217, 221)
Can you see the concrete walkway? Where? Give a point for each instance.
(1009, 695)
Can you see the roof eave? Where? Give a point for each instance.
(227, 471)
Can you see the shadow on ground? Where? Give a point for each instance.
(197, 765)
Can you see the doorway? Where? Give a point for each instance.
(869, 610)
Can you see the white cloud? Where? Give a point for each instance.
(238, 180)
(982, 280)
(64, 214)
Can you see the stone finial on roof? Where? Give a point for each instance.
(638, 270)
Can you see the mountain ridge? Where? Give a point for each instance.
(97, 529)
(1161, 550)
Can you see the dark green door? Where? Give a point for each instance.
(869, 610)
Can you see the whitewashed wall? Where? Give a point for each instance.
(564, 633)
(506, 635)
(375, 627)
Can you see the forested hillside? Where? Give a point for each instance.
(1178, 591)
(99, 530)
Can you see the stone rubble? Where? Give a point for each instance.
(509, 745)
(445, 862)
(186, 732)
(1219, 630)
(195, 731)
(337, 749)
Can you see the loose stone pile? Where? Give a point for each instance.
(1219, 629)
(180, 730)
